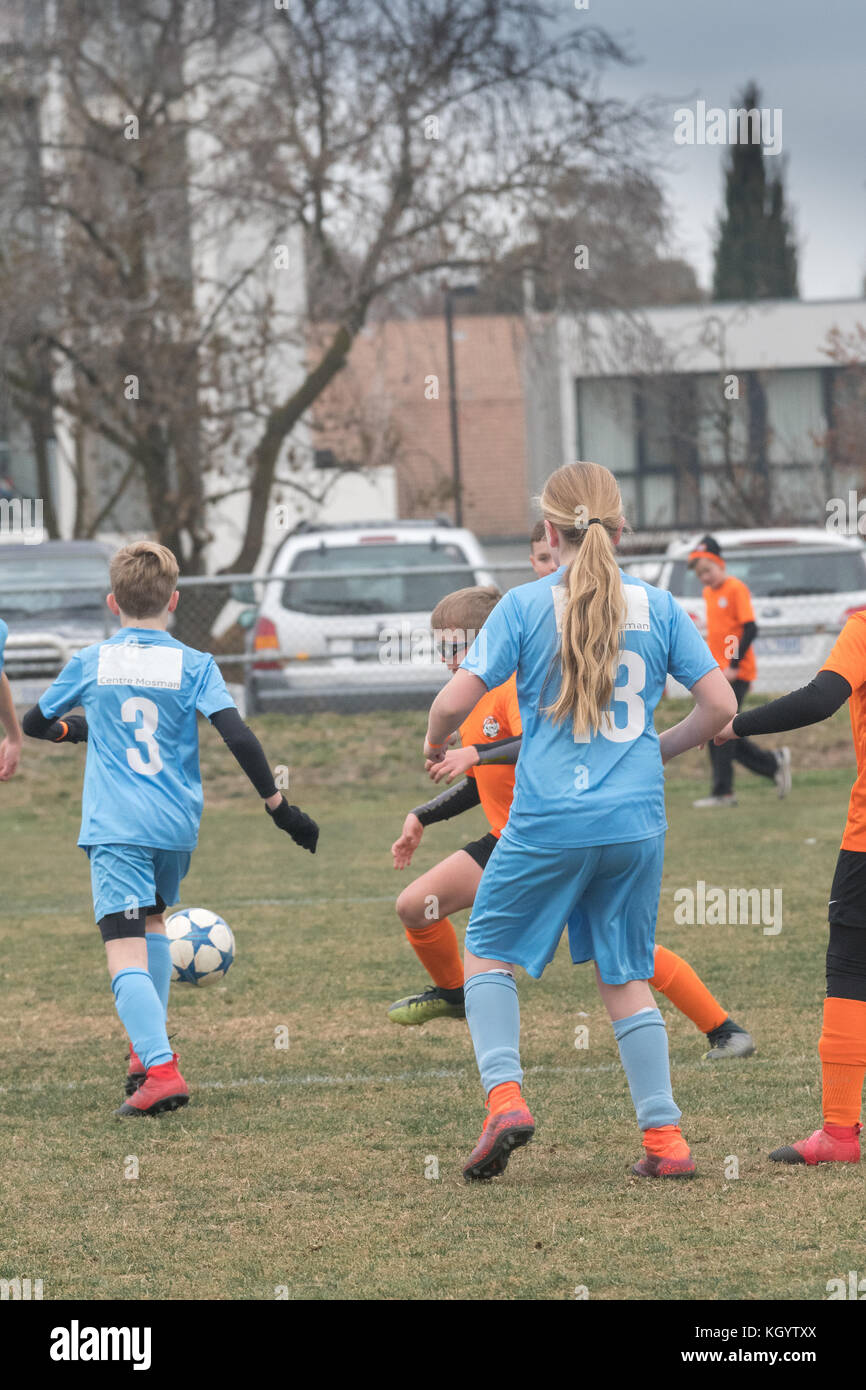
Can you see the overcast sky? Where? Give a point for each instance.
(809, 59)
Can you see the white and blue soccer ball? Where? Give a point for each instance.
(202, 946)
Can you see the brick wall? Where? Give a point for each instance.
(382, 410)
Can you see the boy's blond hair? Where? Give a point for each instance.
(466, 610)
(143, 578)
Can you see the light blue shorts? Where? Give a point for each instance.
(132, 876)
(607, 895)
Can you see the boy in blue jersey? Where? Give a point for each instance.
(584, 842)
(142, 798)
(10, 748)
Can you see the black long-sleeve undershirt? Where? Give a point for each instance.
(72, 728)
(500, 753)
(747, 637)
(237, 736)
(452, 802)
(808, 705)
(245, 748)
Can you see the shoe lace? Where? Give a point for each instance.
(431, 992)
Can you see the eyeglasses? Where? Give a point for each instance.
(450, 650)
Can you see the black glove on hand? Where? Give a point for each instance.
(76, 729)
(302, 829)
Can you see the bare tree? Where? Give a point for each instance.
(844, 439)
(394, 140)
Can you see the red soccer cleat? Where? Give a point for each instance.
(510, 1129)
(135, 1074)
(832, 1144)
(163, 1089)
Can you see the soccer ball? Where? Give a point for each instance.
(202, 946)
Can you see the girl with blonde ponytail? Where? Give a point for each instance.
(593, 610)
(584, 844)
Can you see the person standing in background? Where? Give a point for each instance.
(10, 748)
(731, 632)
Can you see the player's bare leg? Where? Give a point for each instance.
(424, 907)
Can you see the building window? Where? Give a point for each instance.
(605, 423)
(688, 454)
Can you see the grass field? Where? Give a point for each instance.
(303, 1170)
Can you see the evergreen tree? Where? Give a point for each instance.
(756, 254)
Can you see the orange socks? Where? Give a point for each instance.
(677, 981)
(437, 949)
(666, 1142)
(842, 1050)
(505, 1097)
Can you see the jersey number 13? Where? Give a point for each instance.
(628, 694)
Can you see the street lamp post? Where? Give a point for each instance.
(450, 295)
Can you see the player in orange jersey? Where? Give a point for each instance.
(10, 747)
(842, 1047)
(425, 906)
(731, 631)
(491, 737)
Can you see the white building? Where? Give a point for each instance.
(686, 404)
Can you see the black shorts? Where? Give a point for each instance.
(847, 906)
(481, 850)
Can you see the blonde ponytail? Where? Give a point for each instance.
(583, 502)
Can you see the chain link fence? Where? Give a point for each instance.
(346, 641)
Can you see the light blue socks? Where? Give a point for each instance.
(493, 1015)
(142, 1015)
(159, 964)
(643, 1046)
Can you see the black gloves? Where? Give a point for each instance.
(302, 829)
(71, 729)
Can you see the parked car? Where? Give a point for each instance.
(52, 596)
(342, 621)
(805, 583)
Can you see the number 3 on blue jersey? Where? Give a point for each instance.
(628, 694)
(144, 734)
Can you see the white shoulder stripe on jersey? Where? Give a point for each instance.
(637, 609)
(127, 663)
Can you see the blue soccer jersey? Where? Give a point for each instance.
(607, 788)
(140, 691)
(4, 633)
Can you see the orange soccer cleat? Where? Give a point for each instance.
(508, 1126)
(667, 1155)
